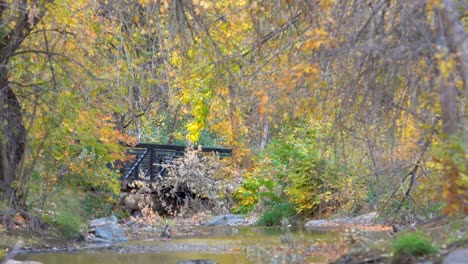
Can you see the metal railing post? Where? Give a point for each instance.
(136, 171)
(152, 160)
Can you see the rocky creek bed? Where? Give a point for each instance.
(217, 239)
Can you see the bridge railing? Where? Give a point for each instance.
(145, 161)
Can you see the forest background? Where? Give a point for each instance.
(329, 106)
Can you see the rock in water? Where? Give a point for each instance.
(225, 220)
(457, 257)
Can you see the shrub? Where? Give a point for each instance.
(98, 203)
(277, 212)
(412, 244)
(253, 190)
(309, 174)
(246, 197)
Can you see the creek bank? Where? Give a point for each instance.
(450, 255)
(146, 232)
(227, 220)
(108, 230)
(440, 230)
(362, 222)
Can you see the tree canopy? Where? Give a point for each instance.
(328, 104)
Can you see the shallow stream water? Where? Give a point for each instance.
(226, 245)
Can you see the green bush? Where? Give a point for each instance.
(301, 167)
(274, 215)
(412, 244)
(309, 173)
(252, 191)
(246, 196)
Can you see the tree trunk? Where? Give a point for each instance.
(12, 135)
(12, 132)
(235, 133)
(448, 98)
(457, 40)
(265, 134)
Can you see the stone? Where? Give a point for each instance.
(103, 220)
(98, 240)
(225, 220)
(110, 232)
(459, 256)
(130, 223)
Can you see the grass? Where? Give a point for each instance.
(2, 253)
(69, 224)
(274, 215)
(68, 216)
(412, 244)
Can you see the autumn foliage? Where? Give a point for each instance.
(331, 106)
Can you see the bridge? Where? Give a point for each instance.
(146, 161)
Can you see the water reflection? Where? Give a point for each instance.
(227, 245)
(136, 258)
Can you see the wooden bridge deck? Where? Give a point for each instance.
(145, 160)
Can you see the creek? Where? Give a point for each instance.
(227, 245)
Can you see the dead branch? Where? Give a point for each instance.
(414, 170)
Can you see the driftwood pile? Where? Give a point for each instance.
(193, 183)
